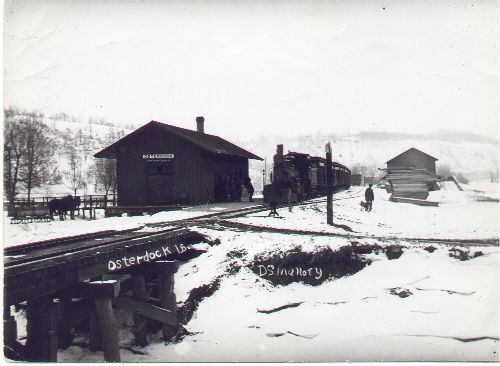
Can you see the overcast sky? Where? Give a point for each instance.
(253, 67)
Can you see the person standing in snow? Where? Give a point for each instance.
(369, 197)
(248, 185)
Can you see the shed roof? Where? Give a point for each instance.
(211, 143)
(410, 150)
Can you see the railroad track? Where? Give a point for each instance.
(43, 272)
(242, 227)
(59, 247)
(65, 246)
(40, 268)
(24, 248)
(29, 252)
(246, 211)
(44, 267)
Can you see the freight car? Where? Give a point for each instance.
(298, 176)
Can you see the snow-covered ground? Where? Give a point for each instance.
(459, 215)
(450, 312)
(351, 318)
(15, 234)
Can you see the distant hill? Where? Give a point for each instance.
(473, 155)
(440, 135)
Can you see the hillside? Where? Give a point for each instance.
(475, 156)
(472, 155)
(70, 135)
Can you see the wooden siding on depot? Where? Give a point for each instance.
(221, 165)
(130, 178)
(194, 169)
(132, 174)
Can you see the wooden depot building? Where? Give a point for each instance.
(160, 164)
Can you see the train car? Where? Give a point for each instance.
(341, 176)
(297, 176)
(317, 175)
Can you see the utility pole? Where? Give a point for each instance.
(329, 184)
(264, 173)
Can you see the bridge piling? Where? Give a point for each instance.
(41, 343)
(102, 292)
(164, 271)
(64, 335)
(140, 321)
(168, 301)
(77, 276)
(95, 343)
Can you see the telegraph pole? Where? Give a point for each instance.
(329, 184)
(264, 173)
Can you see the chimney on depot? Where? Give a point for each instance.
(200, 124)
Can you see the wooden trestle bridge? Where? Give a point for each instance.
(64, 282)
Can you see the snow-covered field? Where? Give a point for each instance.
(459, 215)
(424, 305)
(353, 318)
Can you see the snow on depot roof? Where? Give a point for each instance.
(211, 143)
(412, 149)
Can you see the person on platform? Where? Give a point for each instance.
(248, 185)
(227, 189)
(369, 197)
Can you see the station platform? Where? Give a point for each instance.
(112, 211)
(224, 206)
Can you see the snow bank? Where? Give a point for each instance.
(352, 318)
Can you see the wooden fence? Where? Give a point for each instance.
(87, 201)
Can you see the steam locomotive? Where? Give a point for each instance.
(298, 176)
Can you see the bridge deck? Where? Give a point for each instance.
(51, 273)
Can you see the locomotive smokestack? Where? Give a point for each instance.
(278, 157)
(200, 124)
(279, 149)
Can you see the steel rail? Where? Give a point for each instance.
(24, 253)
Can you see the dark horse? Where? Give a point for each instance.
(61, 206)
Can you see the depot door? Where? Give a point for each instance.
(160, 184)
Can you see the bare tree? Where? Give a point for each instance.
(494, 176)
(104, 171)
(38, 165)
(359, 169)
(462, 178)
(28, 153)
(444, 171)
(74, 178)
(13, 152)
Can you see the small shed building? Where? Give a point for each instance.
(357, 179)
(160, 164)
(411, 174)
(413, 158)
